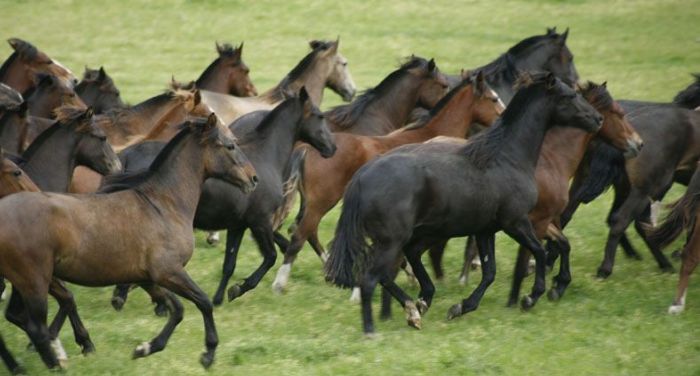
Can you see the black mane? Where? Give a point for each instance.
(690, 96)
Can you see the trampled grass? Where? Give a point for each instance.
(644, 49)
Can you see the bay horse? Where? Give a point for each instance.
(323, 67)
(26, 61)
(683, 215)
(388, 106)
(228, 73)
(98, 91)
(400, 203)
(323, 180)
(82, 232)
(49, 94)
(562, 151)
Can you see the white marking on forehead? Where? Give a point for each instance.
(63, 66)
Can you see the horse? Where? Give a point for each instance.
(388, 106)
(18, 129)
(98, 91)
(683, 215)
(323, 67)
(402, 202)
(323, 180)
(562, 152)
(49, 94)
(26, 61)
(228, 73)
(82, 233)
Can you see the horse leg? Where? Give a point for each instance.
(317, 246)
(385, 312)
(264, 237)
(181, 284)
(35, 326)
(119, 295)
(9, 360)
(366, 291)
(2, 287)
(174, 318)
(233, 244)
(691, 258)
(67, 307)
(436, 252)
(621, 194)
(470, 252)
(635, 203)
(562, 280)
(427, 288)
(281, 241)
(306, 226)
(661, 259)
(213, 238)
(487, 254)
(524, 234)
(520, 272)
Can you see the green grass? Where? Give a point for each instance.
(644, 49)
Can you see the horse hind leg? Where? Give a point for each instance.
(67, 307)
(9, 360)
(233, 244)
(486, 246)
(470, 252)
(265, 239)
(664, 264)
(562, 280)
(519, 274)
(524, 234)
(175, 310)
(301, 233)
(36, 312)
(691, 258)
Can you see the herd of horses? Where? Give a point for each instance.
(515, 145)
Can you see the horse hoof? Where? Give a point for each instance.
(603, 274)
(371, 336)
(454, 311)
(207, 359)
(118, 303)
(412, 316)
(527, 303)
(422, 306)
(234, 292)
(88, 348)
(142, 350)
(161, 310)
(60, 368)
(278, 288)
(553, 295)
(213, 238)
(675, 309)
(463, 281)
(512, 303)
(676, 255)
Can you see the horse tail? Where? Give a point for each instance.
(349, 251)
(682, 215)
(291, 176)
(606, 166)
(297, 164)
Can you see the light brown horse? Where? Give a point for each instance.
(324, 180)
(323, 67)
(228, 74)
(78, 237)
(19, 69)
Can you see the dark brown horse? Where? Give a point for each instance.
(323, 67)
(683, 215)
(388, 106)
(19, 70)
(83, 233)
(228, 73)
(49, 94)
(98, 91)
(323, 180)
(402, 202)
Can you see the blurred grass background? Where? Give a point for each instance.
(644, 49)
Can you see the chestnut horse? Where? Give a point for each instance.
(323, 67)
(323, 180)
(19, 69)
(228, 73)
(402, 202)
(82, 232)
(98, 91)
(683, 215)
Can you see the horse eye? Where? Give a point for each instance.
(17, 173)
(230, 147)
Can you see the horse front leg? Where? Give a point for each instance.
(67, 307)
(487, 254)
(233, 244)
(264, 237)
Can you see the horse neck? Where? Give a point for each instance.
(311, 80)
(564, 147)
(174, 117)
(275, 138)
(150, 112)
(210, 80)
(452, 121)
(176, 185)
(12, 131)
(50, 163)
(394, 104)
(523, 140)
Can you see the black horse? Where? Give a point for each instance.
(98, 91)
(409, 199)
(671, 135)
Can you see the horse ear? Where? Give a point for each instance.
(551, 30)
(101, 75)
(89, 113)
(219, 49)
(14, 43)
(550, 80)
(563, 36)
(314, 44)
(303, 95)
(212, 121)
(197, 97)
(604, 84)
(239, 51)
(431, 65)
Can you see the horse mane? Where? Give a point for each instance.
(225, 50)
(442, 103)
(65, 115)
(116, 115)
(8, 63)
(597, 95)
(689, 95)
(345, 116)
(39, 140)
(317, 46)
(10, 99)
(483, 148)
(128, 180)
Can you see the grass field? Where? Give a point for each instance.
(644, 49)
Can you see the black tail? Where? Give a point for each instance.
(297, 163)
(682, 215)
(350, 253)
(606, 165)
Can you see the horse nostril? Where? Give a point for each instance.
(254, 179)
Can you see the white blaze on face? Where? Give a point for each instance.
(500, 102)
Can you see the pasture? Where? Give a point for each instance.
(644, 49)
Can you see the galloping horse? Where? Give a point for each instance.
(98, 91)
(403, 202)
(323, 67)
(228, 74)
(19, 69)
(323, 180)
(78, 237)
